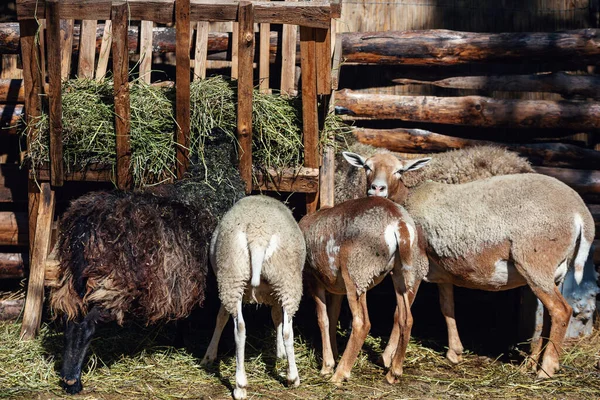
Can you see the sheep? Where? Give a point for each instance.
(257, 253)
(140, 254)
(495, 234)
(458, 166)
(351, 247)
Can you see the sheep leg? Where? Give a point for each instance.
(404, 320)
(455, 347)
(240, 343)
(323, 320)
(360, 329)
(288, 338)
(78, 336)
(334, 305)
(537, 344)
(390, 349)
(278, 322)
(560, 312)
(213, 346)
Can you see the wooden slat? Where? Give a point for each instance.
(146, 50)
(182, 85)
(87, 49)
(10, 67)
(92, 173)
(235, 48)
(309, 106)
(302, 180)
(13, 229)
(32, 314)
(42, 45)
(66, 47)
(245, 87)
(288, 59)
(121, 93)
(201, 49)
(12, 91)
(33, 204)
(316, 14)
(323, 60)
(55, 93)
(105, 47)
(264, 57)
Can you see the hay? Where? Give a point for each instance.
(138, 363)
(89, 136)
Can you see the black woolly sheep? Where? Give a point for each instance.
(140, 253)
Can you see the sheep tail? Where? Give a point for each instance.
(257, 256)
(583, 250)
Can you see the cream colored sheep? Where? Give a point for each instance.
(496, 234)
(258, 253)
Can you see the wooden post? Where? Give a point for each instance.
(87, 48)
(146, 50)
(263, 59)
(323, 60)
(182, 84)
(288, 58)
(119, 16)
(57, 174)
(32, 314)
(104, 50)
(201, 49)
(235, 49)
(66, 47)
(245, 87)
(309, 106)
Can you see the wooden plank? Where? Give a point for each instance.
(12, 91)
(33, 204)
(235, 48)
(13, 228)
(105, 50)
(182, 85)
(288, 59)
(264, 57)
(201, 49)
(42, 45)
(301, 180)
(309, 106)
(92, 173)
(12, 265)
(245, 88)
(32, 314)
(87, 49)
(55, 93)
(66, 47)
(10, 67)
(323, 60)
(121, 93)
(316, 14)
(146, 50)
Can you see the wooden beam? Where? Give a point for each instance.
(301, 180)
(182, 85)
(288, 59)
(66, 47)
(443, 47)
(12, 91)
(87, 48)
(12, 265)
(13, 229)
(55, 93)
(245, 88)
(264, 64)
(32, 314)
(316, 14)
(323, 60)
(310, 120)
(146, 50)
(105, 47)
(121, 94)
(471, 110)
(201, 49)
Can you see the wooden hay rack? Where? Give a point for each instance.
(49, 56)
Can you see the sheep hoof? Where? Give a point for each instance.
(295, 382)
(72, 386)
(207, 360)
(239, 393)
(339, 377)
(453, 357)
(392, 378)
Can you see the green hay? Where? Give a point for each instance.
(138, 363)
(89, 136)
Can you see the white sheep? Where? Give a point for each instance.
(258, 253)
(495, 234)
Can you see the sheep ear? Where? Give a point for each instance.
(413, 165)
(354, 159)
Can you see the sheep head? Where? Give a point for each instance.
(384, 171)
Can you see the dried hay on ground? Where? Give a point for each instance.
(140, 363)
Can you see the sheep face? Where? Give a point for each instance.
(384, 171)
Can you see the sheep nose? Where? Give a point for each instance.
(378, 188)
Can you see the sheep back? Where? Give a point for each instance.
(266, 223)
(132, 252)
